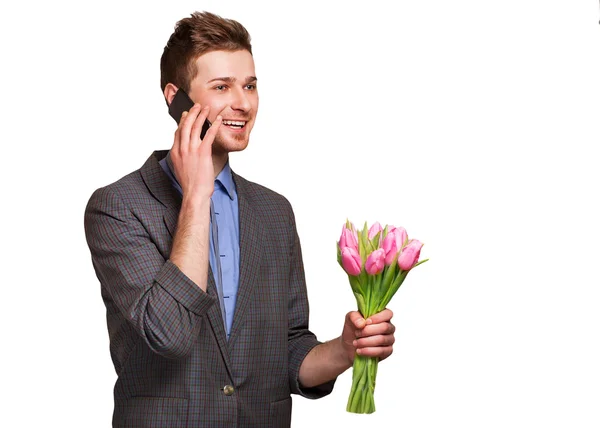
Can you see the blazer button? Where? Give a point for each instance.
(228, 390)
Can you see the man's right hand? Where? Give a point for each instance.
(193, 164)
(191, 156)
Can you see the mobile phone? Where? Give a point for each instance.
(182, 102)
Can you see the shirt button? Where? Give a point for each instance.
(228, 390)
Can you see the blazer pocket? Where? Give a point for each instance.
(281, 413)
(151, 412)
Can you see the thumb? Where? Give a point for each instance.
(355, 320)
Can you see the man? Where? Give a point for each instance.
(201, 270)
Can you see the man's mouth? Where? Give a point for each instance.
(235, 124)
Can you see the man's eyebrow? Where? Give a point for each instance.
(232, 79)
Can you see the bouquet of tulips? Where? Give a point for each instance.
(377, 261)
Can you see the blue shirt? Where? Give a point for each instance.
(225, 202)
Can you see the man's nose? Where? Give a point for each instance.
(240, 101)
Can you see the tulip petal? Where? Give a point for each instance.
(410, 255)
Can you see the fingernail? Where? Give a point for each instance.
(359, 351)
(357, 333)
(354, 342)
(184, 114)
(369, 321)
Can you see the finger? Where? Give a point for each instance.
(222, 110)
(176, 143)
(375, 329)
(382, 352)
(211, 134)
(382, 316)
(186, 125)
(197, 125)
(182, 118)
(374, 341)
(356, 319)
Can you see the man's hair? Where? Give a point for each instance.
(201, 33)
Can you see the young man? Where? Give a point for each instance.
(201, 270)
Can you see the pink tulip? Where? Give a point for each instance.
(400, 235)
(393, 242)
(410, 255)
(348, 239)
(374, 230)
(375, 262)
(351, 261)
(390, 248)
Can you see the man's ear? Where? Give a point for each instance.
(169, 93)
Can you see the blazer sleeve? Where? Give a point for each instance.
(300, 339)
(159, 301)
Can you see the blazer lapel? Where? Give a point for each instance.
(251, 242)
(161, 188)
(216, 322)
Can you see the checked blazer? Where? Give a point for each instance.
(168, 344)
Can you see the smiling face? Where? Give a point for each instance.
(226, 81)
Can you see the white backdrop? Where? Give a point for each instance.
(473, 124)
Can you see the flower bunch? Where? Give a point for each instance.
(377, 261)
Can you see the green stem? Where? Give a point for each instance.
(364, 373)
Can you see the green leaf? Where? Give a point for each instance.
(375, 240)
(396, 283)
(389, 273)
(360, 301)
(362, 250)
(355, 284)
(369, 247)
(365, 233)
(363, 277)
(421, 262)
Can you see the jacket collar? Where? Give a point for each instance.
(161, 188)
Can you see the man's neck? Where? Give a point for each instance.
(219, 162)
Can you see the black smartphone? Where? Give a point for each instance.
(182, 102)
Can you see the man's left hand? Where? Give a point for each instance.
(373, 337)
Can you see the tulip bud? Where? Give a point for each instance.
(351, 261)
(393, 242)
(374, 230)
(348, 239)
(410, 255)
(390, 248)
(375, 262)
(400, 235)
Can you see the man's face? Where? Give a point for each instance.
(226, 81)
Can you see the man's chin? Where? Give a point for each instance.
(229, 146)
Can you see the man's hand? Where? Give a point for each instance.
(193, 164)
(373, 337)
(191, 156)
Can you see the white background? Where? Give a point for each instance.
(471, 123)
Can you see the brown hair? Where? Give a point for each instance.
(201, 33)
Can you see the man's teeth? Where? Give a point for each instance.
(236, 123)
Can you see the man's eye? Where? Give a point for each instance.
(251, 87)
(220, 87)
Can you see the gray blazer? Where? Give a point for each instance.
(174, 364)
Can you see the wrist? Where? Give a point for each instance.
(198, 192)
(346, 354)
(195, 202)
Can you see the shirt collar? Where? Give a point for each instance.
(225, 179)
